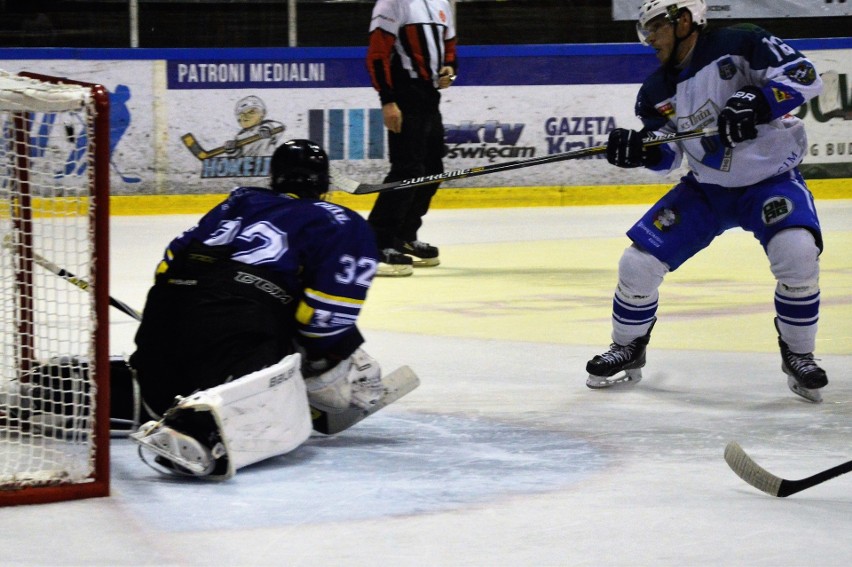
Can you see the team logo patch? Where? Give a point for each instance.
(802, 73)
(776, 209)
(666, 109)
(666, 219)
(781, 96)
(727, 69)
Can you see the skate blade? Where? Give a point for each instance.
(394, 270)
(631, 376)
(424, 262)
(809, 394)
(177, 448)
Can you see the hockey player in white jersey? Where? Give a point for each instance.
(744, 81)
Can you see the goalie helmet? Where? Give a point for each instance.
(651, 9)
(300, 167)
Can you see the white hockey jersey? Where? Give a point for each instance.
(723, 61)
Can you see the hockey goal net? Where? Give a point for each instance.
(54, 222)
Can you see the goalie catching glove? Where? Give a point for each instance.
(356, 380)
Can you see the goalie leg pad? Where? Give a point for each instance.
(258, 416)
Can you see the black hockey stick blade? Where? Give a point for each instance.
(397, 384)
(748, 470)
(351, 186)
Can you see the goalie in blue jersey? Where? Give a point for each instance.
(249, 332)
(745, 82)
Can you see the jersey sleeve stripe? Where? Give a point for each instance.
(414, 41)
(335, 300)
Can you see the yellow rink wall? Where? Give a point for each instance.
(493, 197)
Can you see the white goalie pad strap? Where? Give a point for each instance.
(365, 376)
(261, 415)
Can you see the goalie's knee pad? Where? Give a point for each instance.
(217, 431)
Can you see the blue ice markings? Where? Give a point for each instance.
(389, 465)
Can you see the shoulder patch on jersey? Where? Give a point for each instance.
(781, 96)
(802, 72)
(776, 209)
(727, 69)
(666, 108)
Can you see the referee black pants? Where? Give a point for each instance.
(416, 151)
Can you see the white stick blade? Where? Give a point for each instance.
(398, 383)
(343, 183)
(750, 471)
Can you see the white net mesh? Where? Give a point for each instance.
(47, 317)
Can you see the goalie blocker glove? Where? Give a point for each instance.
(742, 113)
(625, 148)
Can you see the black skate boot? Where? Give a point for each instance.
(421, 253)
(804, 376)
(628, 359)
(394, 264)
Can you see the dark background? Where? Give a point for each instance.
(328, 23)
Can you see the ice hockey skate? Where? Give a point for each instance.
(176, 452)
(804, 376)
(422, 254)
(621, 364)
(394, 264)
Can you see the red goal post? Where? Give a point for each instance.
(54, 351)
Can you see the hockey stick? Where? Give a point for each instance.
(760, 478)
(193, 146)
(71, 278)
(357, 188)
(397, 384)
(124, 177)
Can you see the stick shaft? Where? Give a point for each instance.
(356, 188)
(789, 487)
(83, 284)
(72, 279)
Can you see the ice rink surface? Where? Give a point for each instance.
(503, 457)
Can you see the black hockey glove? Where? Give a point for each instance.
(625, 149)
(742, 113)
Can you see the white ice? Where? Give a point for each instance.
(503, 457)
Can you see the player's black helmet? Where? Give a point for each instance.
(300, 167)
